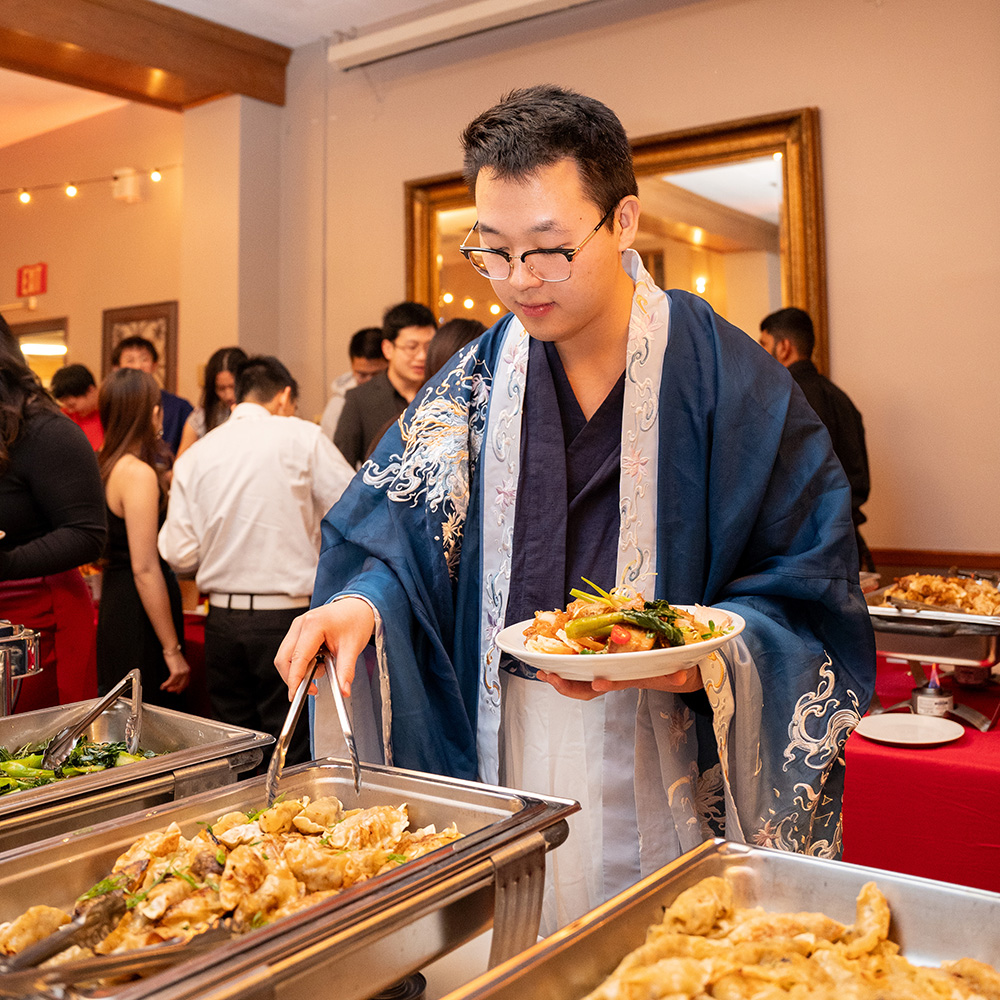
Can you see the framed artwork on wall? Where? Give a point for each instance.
(157, 323)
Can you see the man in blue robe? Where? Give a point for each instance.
(605, 429)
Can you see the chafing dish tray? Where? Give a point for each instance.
(933, 634)
(932, 921)
(351, 945)
(913, 614)
(195, 754)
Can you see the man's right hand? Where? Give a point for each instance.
(345, 626)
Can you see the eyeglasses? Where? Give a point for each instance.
(411, 348)
(548, 265)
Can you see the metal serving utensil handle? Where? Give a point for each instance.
(85, 929)
(62, 743)
(277, 764)
(345, 720)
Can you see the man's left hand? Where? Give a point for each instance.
(685, 680)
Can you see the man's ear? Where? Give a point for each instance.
(784, 350)
(628, 215)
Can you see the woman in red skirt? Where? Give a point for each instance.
(52, 516)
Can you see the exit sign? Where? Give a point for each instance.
(32, 279)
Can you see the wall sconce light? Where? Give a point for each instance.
(23, 197)
(700, 284)
(71, 190)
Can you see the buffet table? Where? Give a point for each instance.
(932, 811)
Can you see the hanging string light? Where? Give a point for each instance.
(24, 193)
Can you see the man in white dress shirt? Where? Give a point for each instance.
(244, 515)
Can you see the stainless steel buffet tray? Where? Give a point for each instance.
(358, 942)
(195, 754)
(933, 634)
(932, 921)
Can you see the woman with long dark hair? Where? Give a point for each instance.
(141, 620)
(218, 395)
(52, 517)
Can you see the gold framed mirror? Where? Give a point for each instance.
(733, 212)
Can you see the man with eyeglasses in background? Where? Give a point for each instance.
(407, 329)
(609, 431)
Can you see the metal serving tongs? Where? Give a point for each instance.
(63, 742)
(85, 929)
(345, 721)
(277, 764)
(50, 981)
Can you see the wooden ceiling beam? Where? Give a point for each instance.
(139, 50)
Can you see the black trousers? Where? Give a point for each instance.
(243, 685)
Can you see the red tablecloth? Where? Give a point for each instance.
(929, 811)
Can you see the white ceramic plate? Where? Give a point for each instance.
(906, 729)
(623, 666)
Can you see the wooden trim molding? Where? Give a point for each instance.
(936, 558)
(139, 50)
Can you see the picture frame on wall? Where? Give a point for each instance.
(157, 323)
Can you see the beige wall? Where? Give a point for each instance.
(908, 95)
(102, 253)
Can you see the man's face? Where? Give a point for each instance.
(364, 368)
(549, 210)
(138, 357)
(767, 342)
(80, 405)
(407, 353)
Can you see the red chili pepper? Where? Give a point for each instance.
(619, 636)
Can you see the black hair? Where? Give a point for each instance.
(791, 324)
(73, 380)
(538, 126)
(261, 378)
(367, 344)
(21, 392)
(225, 359)
(449, 338)
(140, 343)
(405, 314)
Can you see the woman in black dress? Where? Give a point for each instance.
(140, 618)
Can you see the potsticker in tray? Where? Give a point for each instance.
(947, 593)
(706, 947)
(246, 869)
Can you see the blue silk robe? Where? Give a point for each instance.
(730, 496)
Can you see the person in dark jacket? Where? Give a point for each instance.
(407, 329)
(788, 336)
